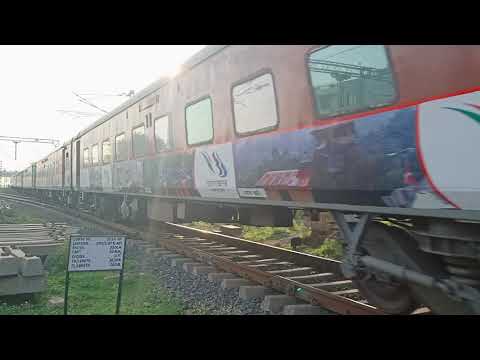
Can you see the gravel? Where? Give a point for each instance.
(196, 292)
(198, 295)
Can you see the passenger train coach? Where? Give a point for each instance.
(252, 133)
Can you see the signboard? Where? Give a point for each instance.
(96, 253)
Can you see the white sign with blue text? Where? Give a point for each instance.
(96, 253)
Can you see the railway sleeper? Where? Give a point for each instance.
(334, 286)
(229, 281)
(290, 271)
(207, 245)
(223, 249)
(235, 252)
(261, 261)
(304, 309)
(346, 292)
(271, 265)
(179, 252)
(312, 276)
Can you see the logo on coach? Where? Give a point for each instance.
(215, 164)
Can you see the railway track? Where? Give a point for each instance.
(301, 277)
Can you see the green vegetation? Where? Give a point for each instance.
(89, 293)
(11, 216)
(262, 234)
(280, 236)
(95, 293)
(331, 248)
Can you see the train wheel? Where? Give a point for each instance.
(378, 289)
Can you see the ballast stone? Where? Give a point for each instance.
(153, 250)
(254, 292)
(235, 283)
(198, 270)
(178, 262)
(215, 277)
(160, 252)
(303, 309)
(276, 303)
(169, 256)
(188, 267)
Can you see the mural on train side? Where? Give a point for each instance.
(371, 160)
(170, 175)
(368, 161)
(448, 135)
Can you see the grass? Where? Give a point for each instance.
(330, 248)
(262, 233)
(10, 216)
(94, 293)
(90, 293)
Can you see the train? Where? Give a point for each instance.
(383, 137)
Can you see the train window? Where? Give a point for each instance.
(350, 78)
(254, 105)
(95, 157)
(86, 160)
(199, 122)
(106, 152)
(162, 133)
(138, 141)
(120, 147)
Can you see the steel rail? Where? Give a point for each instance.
(305, 292)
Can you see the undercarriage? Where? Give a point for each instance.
(401, 265)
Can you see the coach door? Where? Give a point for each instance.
(63, 167)
(76, 165)
(67, 167)
(34, 176)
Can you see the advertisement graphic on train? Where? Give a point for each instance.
(214, 172)
(170, 174)
(107, 178)
(368, 161)
(449, 130)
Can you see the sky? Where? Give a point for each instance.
(38, 81)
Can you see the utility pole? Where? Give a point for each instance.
(17, 140)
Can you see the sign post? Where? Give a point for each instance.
(96, 253)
